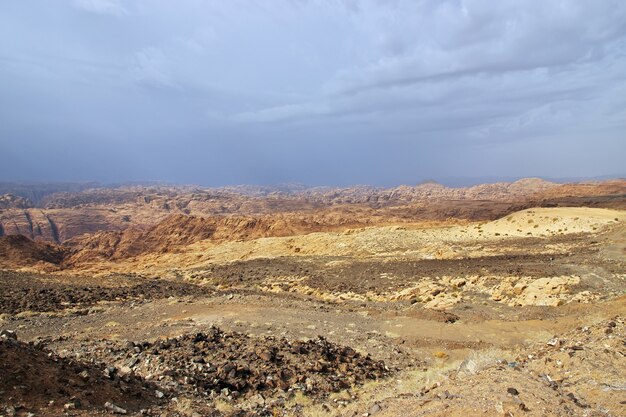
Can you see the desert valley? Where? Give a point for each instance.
(307, 208)
(496, 299)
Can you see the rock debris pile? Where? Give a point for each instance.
(234, 365)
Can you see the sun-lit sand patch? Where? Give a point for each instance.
(553, 221)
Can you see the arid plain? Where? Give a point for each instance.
(505, 299)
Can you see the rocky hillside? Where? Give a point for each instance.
(18, 250)
(8, 201)
(65, 215)
(36, 192)
(177, 231)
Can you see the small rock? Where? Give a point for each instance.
(114, 408)
(110, 371)
(576, 400)
(257, 400)
(125, 370)
(159, 394)
(512, 391)
(8, 334)
(374, 409)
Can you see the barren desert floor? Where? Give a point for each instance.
(520, 315)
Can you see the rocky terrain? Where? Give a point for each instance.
(35, 378)
(57, 213)
(499, 299)
(576, 373)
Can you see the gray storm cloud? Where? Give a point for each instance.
(320, 92)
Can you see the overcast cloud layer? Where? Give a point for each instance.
(320, 92)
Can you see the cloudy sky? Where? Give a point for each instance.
(322, 92)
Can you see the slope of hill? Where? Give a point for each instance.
(17, 251)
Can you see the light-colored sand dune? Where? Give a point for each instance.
(554, 221)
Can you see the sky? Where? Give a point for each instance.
(319, 92)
